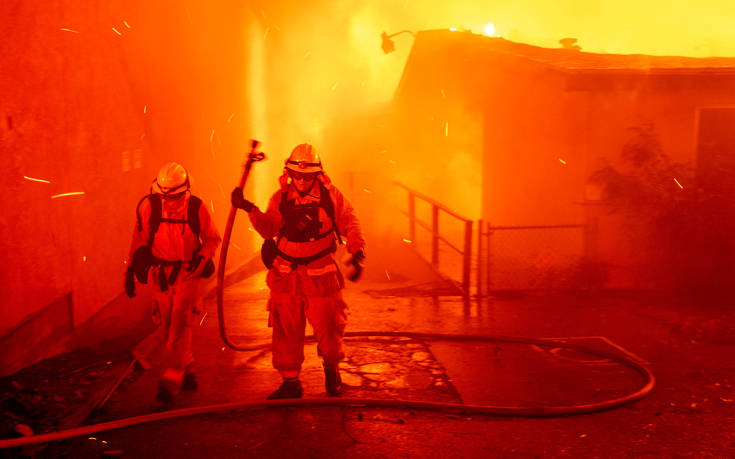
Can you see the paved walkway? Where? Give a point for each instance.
(689, 412)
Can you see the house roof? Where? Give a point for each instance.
(569, 59)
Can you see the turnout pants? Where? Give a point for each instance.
(173, 311)
(295, 298)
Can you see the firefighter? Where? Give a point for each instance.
(174, 241)
(305, 219)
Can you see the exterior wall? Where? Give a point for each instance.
(673, 114)
(73, 114)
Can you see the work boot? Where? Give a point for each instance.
(164, 395)
(190, 382)
(332, 381)
(291, 388)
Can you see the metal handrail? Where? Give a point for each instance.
(433, 228)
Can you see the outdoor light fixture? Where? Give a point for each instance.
(387, 44)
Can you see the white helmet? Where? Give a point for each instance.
(171, 179)
(304, 159)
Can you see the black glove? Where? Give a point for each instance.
(142, 262)
(356, 262)
(130, 282)
(240, 202)
(208, 269)
(194, 263)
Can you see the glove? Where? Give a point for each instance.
(194, 263)
(240, 202)
(356, 263)
(208, 269)
(142, 261)
(130, 282)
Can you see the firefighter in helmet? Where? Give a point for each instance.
(305, 219)
(174, 241)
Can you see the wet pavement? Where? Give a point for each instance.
(688, 344)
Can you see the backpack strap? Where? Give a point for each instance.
(193, 215)
(325, 201)
(155, 218)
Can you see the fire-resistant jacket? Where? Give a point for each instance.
(176, 241)
(270, 223)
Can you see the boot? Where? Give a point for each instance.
(190, 382)
(291, 388)
(332, 381)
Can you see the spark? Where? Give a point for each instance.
(109, 362)
(73, 193)
(391, 161)
(92, 438)
(307, 54)
(212, 203)
(115, 30)
(365, 190)
(231, 116)
(223, 348)
(211, 136)
(334, 86)
(443, 94)
(145, 109)
(104, 442)
(125, 262)
(203, 317)
(126, 24)
(68, 30)
(142, 136)
(446, 129)
(387, 275)
(562, 161)
(407, 241)
(265, 35)
(35, 179)
(677, 182)
(84, 258)
(236, 246)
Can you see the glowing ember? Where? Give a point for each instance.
(677, 182)
(212, 204)
(115, 30)
(211, 136)
(230, 118)
(73, 193)
(145, 110)
(365, 190)
(68, 30)
(203, 317)
(35, 179)
(446, 129)
(126, 24)
(84, 258)
(334, 86)
(443, 95)
(387, 275)
(407, 241)
(562, 161)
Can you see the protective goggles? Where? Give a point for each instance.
(307, 176)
